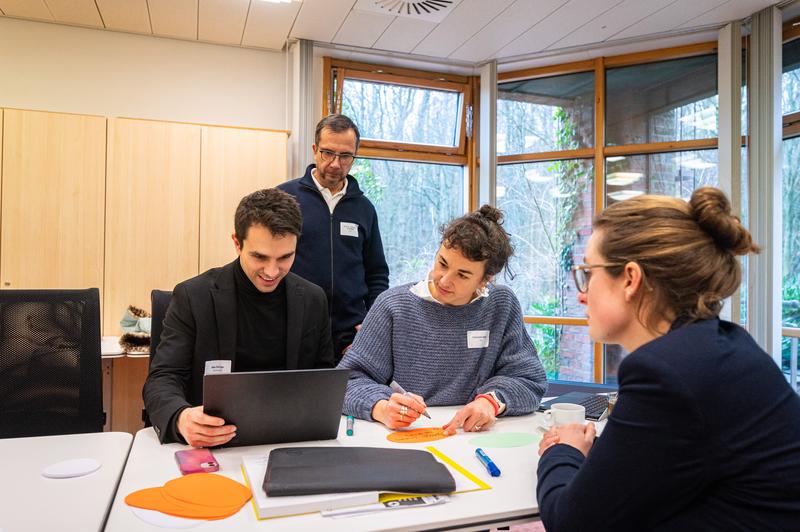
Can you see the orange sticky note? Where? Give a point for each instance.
(207, 489)
(417, 435)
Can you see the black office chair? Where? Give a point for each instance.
(50, 376)
(159, 302)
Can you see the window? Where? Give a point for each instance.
(572, 139)
(545, 187)
(791, 195)
(414, 159)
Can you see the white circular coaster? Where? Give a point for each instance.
(76, 467)
(152, 517)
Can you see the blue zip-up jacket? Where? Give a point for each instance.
(352, 270)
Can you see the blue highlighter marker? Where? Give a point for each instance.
(350, 422)
(487, 462)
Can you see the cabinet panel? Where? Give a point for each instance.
(52, 203)
(152, 212)
(235, 163)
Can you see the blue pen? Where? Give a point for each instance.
(350, 422)
(487, 462)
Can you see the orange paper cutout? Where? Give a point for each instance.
(156, 499)
(195, 496)
(417, 435)
(207, 489)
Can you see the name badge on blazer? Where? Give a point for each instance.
(217, 366)
(477, 339)
(348, 229)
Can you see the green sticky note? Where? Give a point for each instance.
(504, 439)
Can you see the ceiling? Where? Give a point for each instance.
(465, 32)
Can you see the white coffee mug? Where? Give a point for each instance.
(566, 413)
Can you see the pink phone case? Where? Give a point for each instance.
(196, 461)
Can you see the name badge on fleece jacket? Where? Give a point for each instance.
(217, 366)
(477, 339)
(348, 229)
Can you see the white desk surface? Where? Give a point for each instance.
(32, 502)
(511, 499)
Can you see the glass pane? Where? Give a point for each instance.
(675, 174)
(548, 213)
(791, 77)
(612, 358)
(546, 114)
(566, 351)
(412, 200)
(791, 239)
(744, 194)
(661, 102)
(398, 113)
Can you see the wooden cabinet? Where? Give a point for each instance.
(53, 184)
(152, 212)
(235, 163)
(124, 205)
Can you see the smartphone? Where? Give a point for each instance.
(196, 461)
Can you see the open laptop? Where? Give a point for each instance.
(595, 404)
(277, 406)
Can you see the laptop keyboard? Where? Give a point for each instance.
(595, 404)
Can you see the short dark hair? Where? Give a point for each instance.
(274, 209)
(479, 236)
(338, 124)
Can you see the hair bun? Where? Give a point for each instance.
(490, 213)
(712, 211)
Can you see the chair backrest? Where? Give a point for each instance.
(50, 376)
(159, 302)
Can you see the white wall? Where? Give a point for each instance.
(60, 68)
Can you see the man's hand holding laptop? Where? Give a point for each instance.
(202, 430)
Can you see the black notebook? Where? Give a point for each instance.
(595, 404)
(313, 470)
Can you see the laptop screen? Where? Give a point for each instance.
(277, 406)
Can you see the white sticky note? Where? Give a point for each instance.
(348, 229)
(217, 366)
(477, 339)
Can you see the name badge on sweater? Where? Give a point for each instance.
(348, 229)
(218, 366)
(477, 339)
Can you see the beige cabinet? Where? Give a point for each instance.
(152, 212)
(235, 162)
(124, 205)
(53, 183)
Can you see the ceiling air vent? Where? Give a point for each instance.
(430, 10)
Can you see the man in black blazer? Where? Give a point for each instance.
(250, 315)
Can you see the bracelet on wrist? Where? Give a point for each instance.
(491, 400)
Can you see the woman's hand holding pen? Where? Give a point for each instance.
(474, 417)
(401, 410)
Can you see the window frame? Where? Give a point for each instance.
(599, 152)
(338, 71)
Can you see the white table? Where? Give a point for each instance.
(512, 498)
(30, 501)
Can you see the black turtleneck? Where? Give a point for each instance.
(260, 325)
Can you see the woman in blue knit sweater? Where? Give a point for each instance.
(452, 338)
(705, 434)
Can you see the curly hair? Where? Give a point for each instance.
(479, 236)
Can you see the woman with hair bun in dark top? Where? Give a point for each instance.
(705, 434)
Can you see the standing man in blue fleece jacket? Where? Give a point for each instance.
(340, 248)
